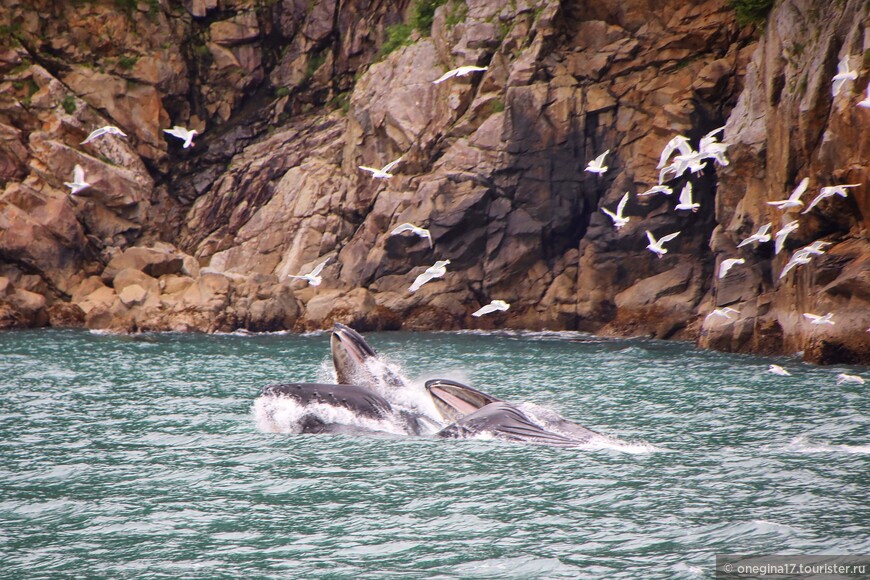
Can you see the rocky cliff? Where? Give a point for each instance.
(291, 97)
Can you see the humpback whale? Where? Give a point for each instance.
(474, 412)
(356, 362)
(318, 403)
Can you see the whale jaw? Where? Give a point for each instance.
(455, 400)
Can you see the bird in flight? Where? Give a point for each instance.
(406, 227)
(758, 237)
(727, 264)
(798, 259)
(384, 172)
(677, 143)
(655, 246)
(78, 183)
(597, 164)
(183, 133)
(686, 199)
(843, 75)
(657, 189)
(844, 378)
(459, 72)
(724, 312)
(493, 306)
(794, 200)
(830, 191)
(782, 234)
(618, 219)
(436, 270)
(816, 319)
(107, 130)
(778, 370)
(313, 277)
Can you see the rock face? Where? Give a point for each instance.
(291, 97)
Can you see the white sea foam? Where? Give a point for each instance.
(285, 415)
(802, 444)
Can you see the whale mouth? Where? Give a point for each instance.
(350, 351)
(455, 400)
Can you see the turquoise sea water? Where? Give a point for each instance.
(140, 456)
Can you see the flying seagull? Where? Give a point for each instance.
(107, 130)
(657, 189)
(843, 75)
(383, 173)
(493, 306)
(686, 199)
(313, 277)
(830, 191)
(183, 133)
(816, 319)
(724, 312)
(656, 246)
(727, 264)
(597, 164)
(782, 234)
(844, 378)
(778, 370)
(436, 270)
(678, 143)
(458, 72)
(618, 219)
(758, 237)
(798, 259)
(794, 200)
(406, 227)
(78, 183)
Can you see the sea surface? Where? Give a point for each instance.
(141, 457)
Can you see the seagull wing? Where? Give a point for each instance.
(445, 76)
(599, 161)
(651, 238)
(78, 174)
(390, 165)
(811, 317)
(319, 268)
(799, 190)
(370, 169)
(405, 227)
(817, 199)
(668, 237)
(485, 310)
(94, 134)
(612, 215)
(686, 194)
(621, 205)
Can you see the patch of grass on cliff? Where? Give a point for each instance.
(751, 11)
(282, 92)
(398, 35)
(315, 62)
(69, 104)
(423, 13)
(127, 62)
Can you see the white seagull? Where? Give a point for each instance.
(724, 312)
(830, 191)
(436, 270)
(794, 200)
(597, 164)
(816, 248)
(798, 259)
(656, 246)
(657, 189)
(107, 130)
(782, 234)
(727, 264)
(406, 227)
(78, 183)
(458, 72)
(686, 199)
(678, 143)
(843, 75)
(384, 172)
(711, 148)
(183, 133)
(758, 237)
(778, 370)
(816, 319)
(313, 277)
(618, 219)
(493, 306)
(866, 102)
(844, 378)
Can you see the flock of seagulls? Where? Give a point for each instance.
(79, 184)
(439, 268)
(841, 378)
(686, 159)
